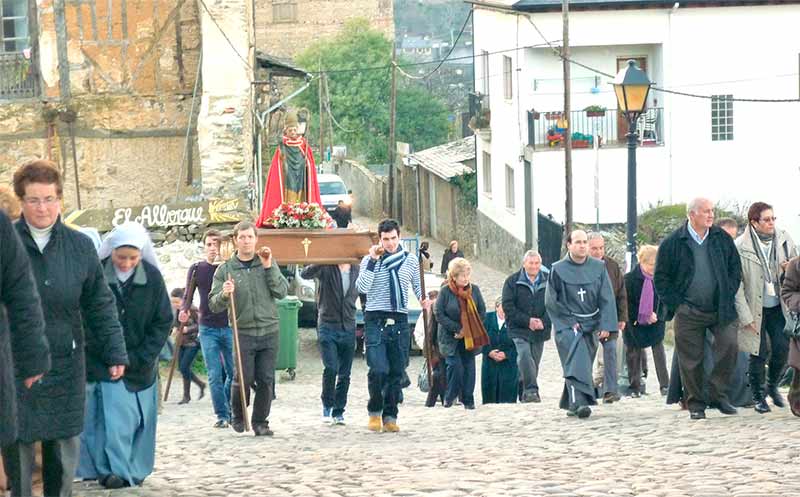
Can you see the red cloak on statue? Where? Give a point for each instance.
(273, 190)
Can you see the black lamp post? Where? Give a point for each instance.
(632, 86)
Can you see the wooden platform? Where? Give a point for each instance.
(289, 246)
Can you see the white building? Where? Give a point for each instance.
(730, 151)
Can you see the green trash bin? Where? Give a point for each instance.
(288, 309)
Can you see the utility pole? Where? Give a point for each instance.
(392, 142)
(567, 118)
(321, 117)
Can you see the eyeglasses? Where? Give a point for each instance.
(768, 219)
(36, 202)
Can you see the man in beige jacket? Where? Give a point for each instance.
(765, 252)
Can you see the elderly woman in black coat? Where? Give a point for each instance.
(460, 310)
(644, 328)
(79, 312)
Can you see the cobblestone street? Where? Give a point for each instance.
(636, 447)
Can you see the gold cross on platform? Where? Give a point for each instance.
(306, 243)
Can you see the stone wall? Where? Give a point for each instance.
(369, 190)
(496, 247)
(313, 20)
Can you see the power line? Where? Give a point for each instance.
(656, 88)
(222, 32)
(449, 53)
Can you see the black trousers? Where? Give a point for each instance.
(59, 462)
(773, 352)
(259, 356)
(690, 327)
(637, 358)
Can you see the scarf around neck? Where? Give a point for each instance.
(393, 262)
(647, 299)
(769, 261)
(475, 335)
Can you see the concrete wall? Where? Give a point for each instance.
(368, 189)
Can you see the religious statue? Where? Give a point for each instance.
(292, 176)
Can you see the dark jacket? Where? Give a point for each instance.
(675, 269)
(334, 307)
(449, 256)
(448, 315)
(618, 285)
(636, 334)
(79, 313)
(343, 215)
(499, 380)
(145, 312)
(23, 347)
(521, 302)
(790, 286)
(192, 329)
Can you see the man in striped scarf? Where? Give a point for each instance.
(385, 275)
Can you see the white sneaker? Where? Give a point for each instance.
(326, 416)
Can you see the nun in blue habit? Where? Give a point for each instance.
(119, 437)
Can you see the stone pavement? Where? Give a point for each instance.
(637, 447)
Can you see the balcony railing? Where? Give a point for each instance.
(17, 76)
(610, 128)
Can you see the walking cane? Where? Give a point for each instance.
(428, 345)
(238, 359)
(175, 356)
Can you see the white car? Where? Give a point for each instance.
(332, 189)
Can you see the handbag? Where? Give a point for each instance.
(792, 328)
(422, 378)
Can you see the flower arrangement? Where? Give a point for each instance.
(304, 215)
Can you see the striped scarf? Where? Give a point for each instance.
(393, 262)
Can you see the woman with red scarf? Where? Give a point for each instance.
(460, 310)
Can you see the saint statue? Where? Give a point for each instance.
(292, 176)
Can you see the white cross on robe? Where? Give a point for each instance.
(582, 294)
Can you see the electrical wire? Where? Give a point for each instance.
(224, 35)
(449, 53)
(324, 80)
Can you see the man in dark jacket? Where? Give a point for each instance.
(607, 363)
(698, 272)
(336, 329)
(79, 312)
(23, 346)
(527, 320)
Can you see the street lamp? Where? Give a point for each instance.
(631, 87)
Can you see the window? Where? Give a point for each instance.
(484, 72)
(507, 71)
(14, 25)
(487, 173)
(509, 187)
(721, 117)
(283, 11)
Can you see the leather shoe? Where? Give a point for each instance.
(262, 430)
(776, 396)
(583, 412)
(762, 407)
(113, 482)
(237, 425)
(635, 394)
(469, 407)
(697, 415)
(608, 398)
(725, 407)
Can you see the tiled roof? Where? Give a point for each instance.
(547, 5)
(447, 161)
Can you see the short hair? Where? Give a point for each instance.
(424, 245)
(243, 226)
(452, 242)
(37, 171)
(594, 235)
(9, 203)
(457, 266)
(432, 294)
(755, 210)
(728, 222)
(211, 232)
(694, 204)
(530, 254)
(647, 253)
(177, 293)
(569, 236)
(387, 226)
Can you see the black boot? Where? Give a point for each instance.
(201, 384)
(756, 379)
(187, 385)
(775, 394)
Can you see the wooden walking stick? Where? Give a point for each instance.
(238, 360)
(175, 357)
(428, 345)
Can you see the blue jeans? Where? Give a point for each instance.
(217, 344)
(337, 345)
(186, 359)
(387, 354)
